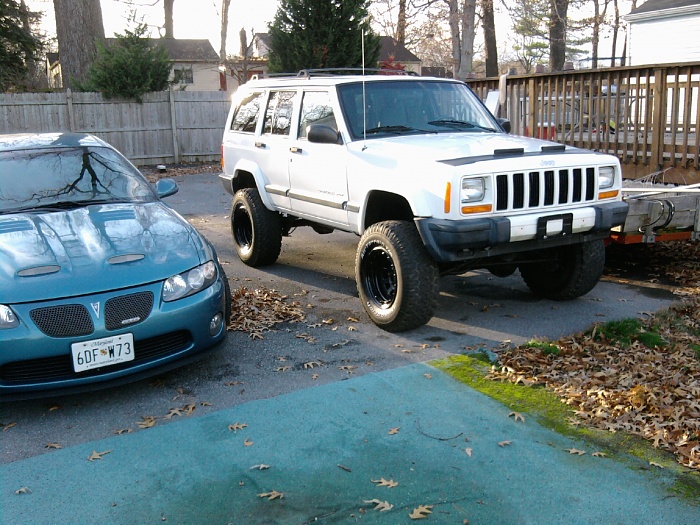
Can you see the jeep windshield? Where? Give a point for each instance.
(396, 107)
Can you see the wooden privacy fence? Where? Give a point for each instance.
(647, 116)
(168, 127)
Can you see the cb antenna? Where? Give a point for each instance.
(364, 96)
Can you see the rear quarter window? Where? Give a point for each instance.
(245, 118)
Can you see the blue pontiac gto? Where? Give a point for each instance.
(100, 281)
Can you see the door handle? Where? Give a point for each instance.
(260, 145)
(295, 149)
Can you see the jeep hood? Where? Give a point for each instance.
(92, 249)
(449, 146)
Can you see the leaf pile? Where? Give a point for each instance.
(651, 392)
(255, 311)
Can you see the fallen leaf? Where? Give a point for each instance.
(54, 407)
(311, 364)
(575, 451)
(428, 376)
(350, 369)
(98, 455)
(52, 445)
(247, 442)
(518, 416)
(353, 320)
(314, 377)
(599, 454)
(205, 404)
(173, 412)
(328, 321)
(393, 431)
(237, 426)
(146, 422)
(385, 483)
(282, 368)
(468, 451)
(352, 328)
(260, 467)
(234, 383)
(273, 494)
(504, 443)
(8, 426)
(381, 506)
(655, 464)
(23, 490)
(421, 512)
(123, 431)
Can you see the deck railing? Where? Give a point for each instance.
(647, 116)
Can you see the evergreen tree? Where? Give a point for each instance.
(308, 34)
(18, 46)
(129, 66)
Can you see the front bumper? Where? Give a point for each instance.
(33, 364)
(469, 239)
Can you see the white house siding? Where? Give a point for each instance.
(664, 39)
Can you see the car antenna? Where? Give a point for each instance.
(364, 97)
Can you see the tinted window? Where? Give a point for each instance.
(278, 117)
(316, 109)
(246, 117)
(48, 177)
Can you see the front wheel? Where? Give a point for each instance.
(396, 278)
(257, 231)
(573, 271)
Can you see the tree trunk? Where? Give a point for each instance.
(454, 33)
(557, 34)
(78, 28)
(401, 24)
(616, 28)
(489, 24)
(466, 60)
(168, 8)
(225, 4)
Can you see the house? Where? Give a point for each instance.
(391, 51)
(195, 65)
(664, 31)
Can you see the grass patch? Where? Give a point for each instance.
(625, 332)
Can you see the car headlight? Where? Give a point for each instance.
(190, 282)
(606, 177)
(472, 190)
(8, 319)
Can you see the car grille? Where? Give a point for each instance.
(535, 189)
(127, 310)
(67, 320)
(61, 367)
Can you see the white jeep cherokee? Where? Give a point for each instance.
(426, 176)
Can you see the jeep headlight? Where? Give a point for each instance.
(472, 190)
(8, 319)
(606, 177)
(190, 282)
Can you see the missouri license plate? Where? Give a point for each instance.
(102, 352)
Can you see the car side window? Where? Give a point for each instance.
(316, 109)
(278, 117)
(246, 117)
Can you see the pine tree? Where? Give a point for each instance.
(130, 66)
(308, 34)
(18, 46)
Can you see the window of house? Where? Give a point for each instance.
(183, 75)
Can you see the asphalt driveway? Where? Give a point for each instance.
(331, 415)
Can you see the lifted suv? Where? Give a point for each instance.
(426, 176)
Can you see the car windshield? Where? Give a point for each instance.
(64, 178)
(416, 106)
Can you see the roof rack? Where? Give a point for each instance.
(329, 72)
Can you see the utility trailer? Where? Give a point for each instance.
(659, 212)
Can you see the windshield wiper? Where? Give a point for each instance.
(453, 123)
(62, 205)
(397, 130)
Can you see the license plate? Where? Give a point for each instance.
(102, 352)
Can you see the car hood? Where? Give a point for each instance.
(450, 146)
(96, 248)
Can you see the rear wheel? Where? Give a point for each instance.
(396, 278)
(573, 271)
(257, 231)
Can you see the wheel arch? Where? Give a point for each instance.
(384, 206)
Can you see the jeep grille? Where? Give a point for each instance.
(534, 189)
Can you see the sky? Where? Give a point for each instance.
(200, 19)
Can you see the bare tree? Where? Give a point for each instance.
(168, 8)
(557, 34)
(489, 25)
(599, 13)
(78, 28)
(401, 24)
(225, 4)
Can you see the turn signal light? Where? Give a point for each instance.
(482, 208)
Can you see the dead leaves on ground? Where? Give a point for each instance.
(257, 311)
(273, 494)
(97, 455)
(650, 392)
(421, 512)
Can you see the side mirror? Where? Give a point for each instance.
(323, 134)
(166, 188)
(505, 124)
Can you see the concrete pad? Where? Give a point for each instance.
(326, 448)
